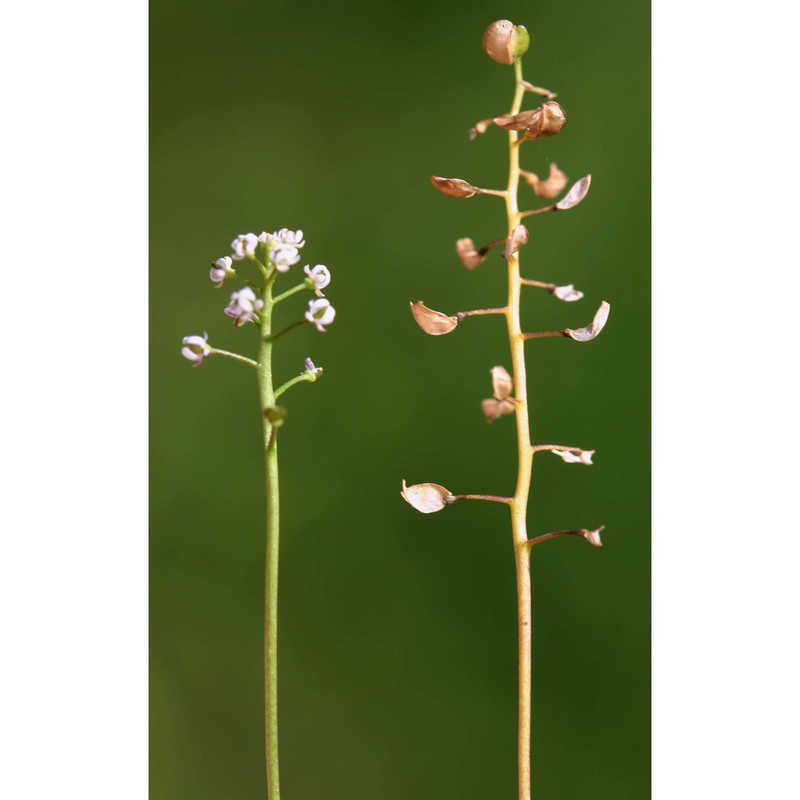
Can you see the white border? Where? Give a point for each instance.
(73, 574)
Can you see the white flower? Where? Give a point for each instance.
(195, 348)
(292, 238)
(567, 293)
(574, 456)
(243, 306)
(219, 269)
(320, 313)
(265, 237)
(320, 275)
(284, 256)
(244, 246)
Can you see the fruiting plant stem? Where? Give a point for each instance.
(519, 506)
(267, 400)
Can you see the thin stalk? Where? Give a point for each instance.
(519, 506)
(267, 399)
(289, 292)
(215, 351)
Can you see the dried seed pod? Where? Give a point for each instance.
(426, 497)
(574, 196)
(589, 332)
(593, 537)
(575, 456)
(547, 120)
(504, 42)
(468, 253)
(492, 409)
(432, 322)
(568, 293)
(454, 187)
(502, 384)
(517, 240)
(550, 188)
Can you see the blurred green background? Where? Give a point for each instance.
(398, 631)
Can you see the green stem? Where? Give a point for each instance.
(270, 441)
(304, 377)
(273, 337)
(281, 297)
(234, 357)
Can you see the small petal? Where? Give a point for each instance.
(468, 253)
(492, 409)
(309, 365)
(574, 456)
(568, 293)
(502, 384)
(426, 497)
(219, 270)
(243, 246)
(454, 187)
(287, 237)
(574, 196)
(432, 322)
(517, 240)
(589, 332)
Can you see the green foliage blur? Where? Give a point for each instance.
(398, 630)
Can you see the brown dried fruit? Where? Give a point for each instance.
(454, 187)
(432, 322)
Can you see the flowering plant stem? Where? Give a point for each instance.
(267, 401)
(519, 506)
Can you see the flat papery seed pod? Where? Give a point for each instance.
(574, 196)
(454, 187)
(517, 240)
(568, 293)
(574, 456)
(589, 332)
(432, 322)
(468, 253)
(480, 127)
(548, 120)
(518, 122)
(426, 497)
(502, 384)
(492, 409)
(593, 537)
(555, 184)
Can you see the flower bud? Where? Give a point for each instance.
(575, 456)
(432, 322)
(454, 187)
(517, 240)
(589, 332)
(468, 253)
(504, 42)
(552, 187)
(502, 384)
(574, 196)
(426, 497)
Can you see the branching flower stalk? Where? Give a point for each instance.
(272, 255)
(505, 43)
